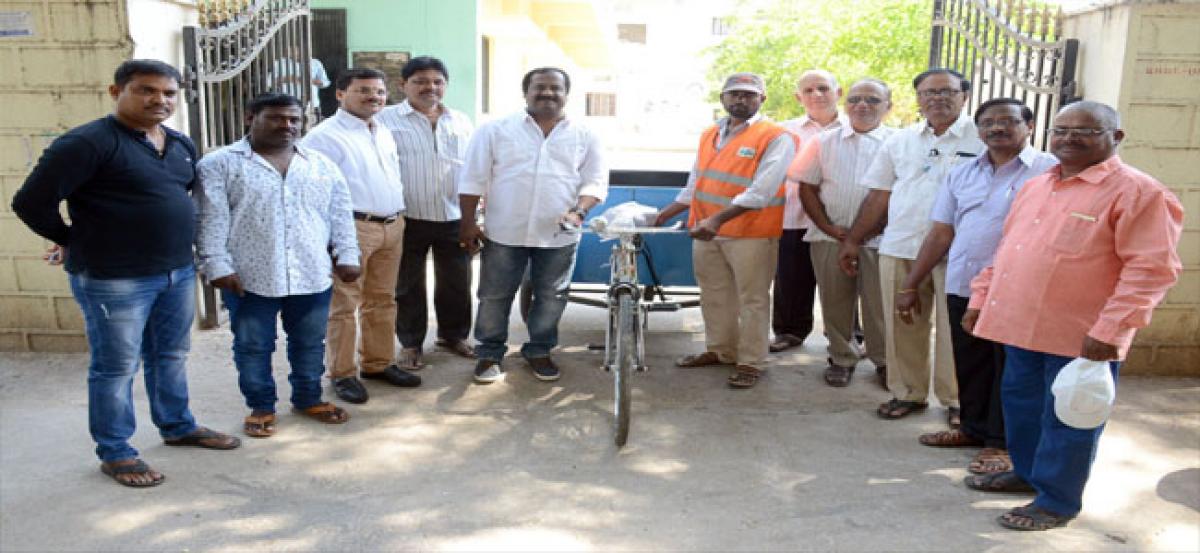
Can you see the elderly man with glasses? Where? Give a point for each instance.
(905, 178)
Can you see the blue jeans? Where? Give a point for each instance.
(1054, 458)
(500, 277)
(252, 320)
(127, 320)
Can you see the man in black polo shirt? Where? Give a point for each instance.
(126, 180)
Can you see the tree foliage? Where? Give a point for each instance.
(780, 39)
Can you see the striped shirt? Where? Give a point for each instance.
(804, 128)
(430, 159)
(835, 162)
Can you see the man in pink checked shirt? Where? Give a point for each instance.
(1089, 248)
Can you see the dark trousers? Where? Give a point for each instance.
(795, 286)
(979, 367)
(451, 289)
(1054, 458)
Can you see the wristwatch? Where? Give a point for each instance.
(582, 213)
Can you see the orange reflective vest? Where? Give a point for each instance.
(723, 174)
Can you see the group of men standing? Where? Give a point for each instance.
(1055, 256)
(955, 216)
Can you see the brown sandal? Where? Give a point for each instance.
(744, 376)
(327, 413)
(259, 426)
(948, 438)
(990, 460)
(705, 359)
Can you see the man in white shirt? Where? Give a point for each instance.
(366, 155)
(830, 169)
(795, 281)
(274, 223)
(537, 170)
(735, 199)
(905, 178)
(431, 140)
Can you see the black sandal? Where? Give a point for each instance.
(138, 466)
(206, 438)
(1031, 518)
(897, 408)
(838, 376)
(1001, 482)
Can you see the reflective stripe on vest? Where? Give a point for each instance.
(723, 174)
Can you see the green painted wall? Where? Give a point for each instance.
(446, 29)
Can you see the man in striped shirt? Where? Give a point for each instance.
(830, 169)
(431, 140)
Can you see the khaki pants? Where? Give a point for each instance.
(373, 296)
(735, 295)
(840, 295)
(908, 344)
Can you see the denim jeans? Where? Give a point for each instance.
(127, 320)
(1054, 458)
(499, 278)
(252, 320)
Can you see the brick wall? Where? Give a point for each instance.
(53, 80)
(1147, 65)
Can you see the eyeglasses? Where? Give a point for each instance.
(1006, 122)
(1083, 133)
(938, 92)
(870, 100)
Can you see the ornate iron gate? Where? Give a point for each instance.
(1007, 48)
(241, 49)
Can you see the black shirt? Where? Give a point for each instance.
(130, 209)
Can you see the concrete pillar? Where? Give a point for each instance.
(55, 78)
(1144, 59)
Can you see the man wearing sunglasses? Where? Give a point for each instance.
(1089, 248)
(829, 169)
(904, 179)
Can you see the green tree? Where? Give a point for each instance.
(780, 39)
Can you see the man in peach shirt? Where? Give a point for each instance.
(1089, 248)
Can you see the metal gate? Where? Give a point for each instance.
(1007, 48)
(240, 49)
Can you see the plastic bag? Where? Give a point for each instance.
(626, 216)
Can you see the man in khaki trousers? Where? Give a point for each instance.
(366, 154)
(736, 198)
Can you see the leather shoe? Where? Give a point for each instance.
(395, 376)
(350, 390)
(784, 342)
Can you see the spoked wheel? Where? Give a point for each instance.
(625, 360)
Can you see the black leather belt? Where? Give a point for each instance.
(375, 218)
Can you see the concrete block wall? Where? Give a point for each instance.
(1148, 67)
(55, 79)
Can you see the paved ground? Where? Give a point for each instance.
(524, 465)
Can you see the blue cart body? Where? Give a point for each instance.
(672, 253)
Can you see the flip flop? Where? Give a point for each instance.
(137, 467)
(206, 438)
(745, 376)
(990, 460)
(326, 412)
(259, 426)
(948, 438)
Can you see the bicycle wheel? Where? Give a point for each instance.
(626, 358)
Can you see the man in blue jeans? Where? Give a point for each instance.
(128, 251)
(537, 170)
(271, 215)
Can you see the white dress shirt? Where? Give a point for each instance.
(835, 161)
(771, 170)
(430, 159)
(912, 164)
(530, 180)
(273, 231)
(367, 158)
(804, 128)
